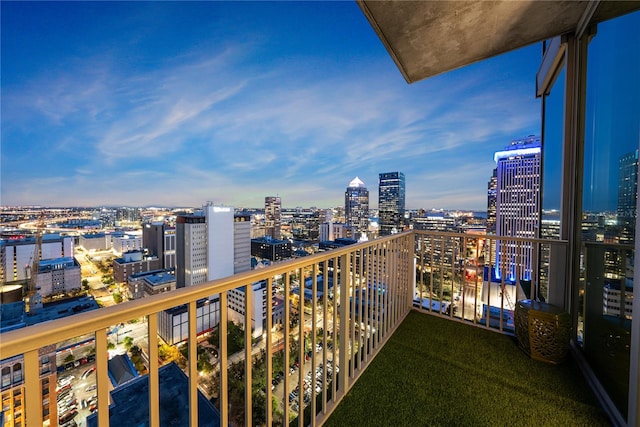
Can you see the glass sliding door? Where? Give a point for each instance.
(611, 140)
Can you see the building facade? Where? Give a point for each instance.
(126, 243)
(95, 242)
(241, 243)
(305, 224)
(191, 250)
(391, 202)
(160, 240)
(273, 250)
(58, 276)
(219, 242)
(173, 324)
(18, 252)
(273, 216)
(627, 195)
(236, 304)
(491, 202)
(132, 263)
(335, 230)
(12, 389)
(148, 283)
(356, 206)
(517, 204)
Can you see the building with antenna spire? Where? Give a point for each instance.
(356, 207)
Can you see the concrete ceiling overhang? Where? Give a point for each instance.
(426, 38)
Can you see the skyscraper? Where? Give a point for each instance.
(356, 206)
(272, 216)
(241, 243)
(220, 241)
(160, 240)
(517, 204)
(391, 200)
(191, 250)
(491, 202)
(627, 195)
(204, 246)
(153, 238)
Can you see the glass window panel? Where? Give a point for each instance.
(553, 124)
(612, 131)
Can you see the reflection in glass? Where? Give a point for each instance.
(551, 175)
(612, 132)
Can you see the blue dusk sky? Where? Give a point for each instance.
(176, 104)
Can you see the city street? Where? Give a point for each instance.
(92, 274)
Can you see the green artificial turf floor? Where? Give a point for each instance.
(435, 372)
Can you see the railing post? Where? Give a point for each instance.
(248, 359)
(268, 345)
(102, 378)
(224, 362)
(325, 325)
(193, 365)
(301, 349)
(337, 286)
(358, 316)
(287, 343)
(345, 287)
(314, 297)
(32, 388)
(154, 382)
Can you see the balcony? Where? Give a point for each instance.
(454, 374)
(362, 294)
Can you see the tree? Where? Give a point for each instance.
(135, 350)
(235, 338)
(111, 346)
(128, 342)
(85, 284)
(69, 358)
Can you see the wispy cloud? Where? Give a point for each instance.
(214, 123)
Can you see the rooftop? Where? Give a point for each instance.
(13, 315)
(131, 408)
(58, 264)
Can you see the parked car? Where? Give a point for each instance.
(67, 416)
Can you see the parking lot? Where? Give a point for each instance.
(76, 394)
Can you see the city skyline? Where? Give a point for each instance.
(174, 104)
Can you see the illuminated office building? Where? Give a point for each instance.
(517, 204)
(391, 201)
(627, 195)
(356, 206)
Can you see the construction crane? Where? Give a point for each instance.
(32, 299)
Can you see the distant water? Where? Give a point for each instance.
(480, 214)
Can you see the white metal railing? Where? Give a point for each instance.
(357, 296)
(348, 322)
(479, 278)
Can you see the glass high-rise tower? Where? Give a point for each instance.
(627, 195)
(517, 204)
(391, 202)
(356, 206)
